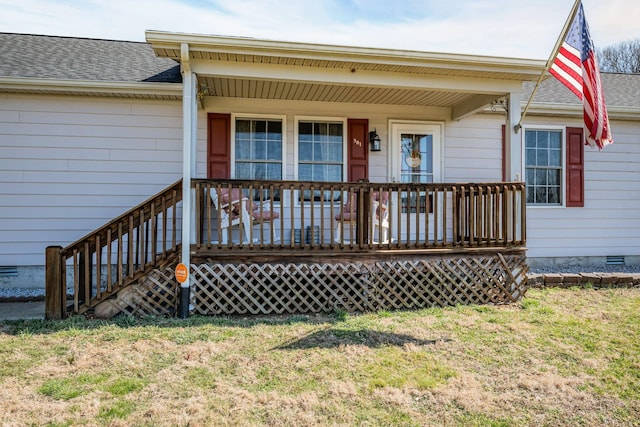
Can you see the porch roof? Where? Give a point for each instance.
(253, 68)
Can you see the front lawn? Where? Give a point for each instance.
(559, 357)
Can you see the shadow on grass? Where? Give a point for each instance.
(332, 338)
(80, 322)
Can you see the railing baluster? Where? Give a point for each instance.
(164, 226)
(76, 281)
(523, 214)
(514, 213)
(437, 213)
(174, 207)
(154, 234)
(443, 192)
(130, 242)
(312, 217)
(142, 250)
(120, 255)
(98, 253)
(85, 257)
(455, 213)
(322, 219)
(109, 264)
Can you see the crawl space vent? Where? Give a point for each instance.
(8, 271)
(615, 260)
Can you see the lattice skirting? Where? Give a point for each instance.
(154, 295)
(246, 289)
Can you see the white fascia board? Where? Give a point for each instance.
(275, 72)
(84, 86)
(251, 46)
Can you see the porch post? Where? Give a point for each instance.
(189, 130)
(515, 142)
(514, 139)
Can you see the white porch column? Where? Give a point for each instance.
(514, 139)
(189, 137)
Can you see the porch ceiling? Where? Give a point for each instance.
(285, 90)
(252, 68)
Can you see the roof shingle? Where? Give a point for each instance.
(69, 58)
(54, 57)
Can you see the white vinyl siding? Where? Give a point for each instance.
(609, 222)
(71, 164)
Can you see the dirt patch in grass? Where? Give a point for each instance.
(559, 357)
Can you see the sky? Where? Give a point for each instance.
(506, 28)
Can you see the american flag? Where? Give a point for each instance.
(576, 66)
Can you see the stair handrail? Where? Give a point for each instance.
(138, 229)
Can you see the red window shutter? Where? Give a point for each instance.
(218, 146)
(575, 167)
(357, 149)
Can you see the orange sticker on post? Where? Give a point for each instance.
(182, 273)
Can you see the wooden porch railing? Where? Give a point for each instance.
(304, 217)
(115, 255)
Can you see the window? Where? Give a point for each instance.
(258, 149)
(320, 151)
(544, 166)
(258, 152)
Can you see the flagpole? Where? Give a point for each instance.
(556, 48)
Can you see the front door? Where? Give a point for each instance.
(415, 159)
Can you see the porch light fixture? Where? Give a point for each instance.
(374, 140)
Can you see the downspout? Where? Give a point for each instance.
(188, 139)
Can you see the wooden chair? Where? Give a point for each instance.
(236, 209)
(233, 211)
(379, 216)
(264, 214)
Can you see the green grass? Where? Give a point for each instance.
(558, 357)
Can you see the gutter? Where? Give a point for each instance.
(576, 110)
(90, 87)
(548, 109)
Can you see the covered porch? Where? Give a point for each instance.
(384, 234)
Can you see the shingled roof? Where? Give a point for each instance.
(70, 58)
(620, 90)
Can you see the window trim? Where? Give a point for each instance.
(248, 116)
(563, 161)
(298, 119)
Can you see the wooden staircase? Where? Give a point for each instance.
(117, 258)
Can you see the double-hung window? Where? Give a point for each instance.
(258, 151)
(320, 153)
(320, 150)
(544, 166)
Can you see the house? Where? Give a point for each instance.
(91, 128)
